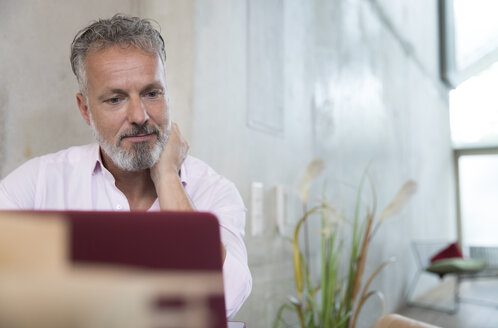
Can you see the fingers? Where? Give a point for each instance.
(174, 154)
(177, 141)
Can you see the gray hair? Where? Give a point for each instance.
(119, 30)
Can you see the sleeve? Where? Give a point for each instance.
(17, 190)
(231, 212)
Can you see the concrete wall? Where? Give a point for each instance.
(37, 87)
(260, 88)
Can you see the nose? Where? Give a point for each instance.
(137, 113)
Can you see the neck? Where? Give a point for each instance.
(137, 186)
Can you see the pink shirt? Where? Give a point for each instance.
(75, 179)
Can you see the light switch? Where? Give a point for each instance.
(281, 208)
(257, 195)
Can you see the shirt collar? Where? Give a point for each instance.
(184, 174)
(96, 160)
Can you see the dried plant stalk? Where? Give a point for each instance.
(399, 201)
(364, 295)
(362, 259)
(313, 170)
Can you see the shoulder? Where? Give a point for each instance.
(21, 185)
(198, 174)
(196, 168)
(75, 154)
(18, 188)
(62, 165)
(79, 158)
(204, 183)
(70, 155)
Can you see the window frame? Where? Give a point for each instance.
(450, 73)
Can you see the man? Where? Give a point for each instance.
(140, 162)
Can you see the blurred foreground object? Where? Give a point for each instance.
(48, 278)
(398, 321)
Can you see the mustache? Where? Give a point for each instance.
(139, 130)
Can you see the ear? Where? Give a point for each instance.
(83, 106)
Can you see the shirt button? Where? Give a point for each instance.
(118, 207)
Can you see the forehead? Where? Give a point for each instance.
(123, 64)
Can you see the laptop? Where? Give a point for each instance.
(161, 269)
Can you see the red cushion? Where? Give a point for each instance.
(452, 251)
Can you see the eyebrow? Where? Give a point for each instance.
(108, 93)
(152, 85)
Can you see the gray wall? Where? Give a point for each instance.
(259, 89)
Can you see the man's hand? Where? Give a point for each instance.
(172, 157)
(165, 174)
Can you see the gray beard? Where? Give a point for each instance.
(141, 156)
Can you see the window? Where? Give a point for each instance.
(469, 36)
(469, 64)
(478, 176)
(474, 111)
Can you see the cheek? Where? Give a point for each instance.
(108, 128)
(161, 117)
(166, 119)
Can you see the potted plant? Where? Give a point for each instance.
(336, 300)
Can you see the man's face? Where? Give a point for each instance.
(127, 105)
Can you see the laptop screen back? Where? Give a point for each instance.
(156, 240)
(181, 248)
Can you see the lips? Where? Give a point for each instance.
(139, 133)
(139, 137)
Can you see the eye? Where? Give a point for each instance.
(153, 94)
(113, 100)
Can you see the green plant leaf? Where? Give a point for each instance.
(297, 255)
(280, 311)
(346, 303)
